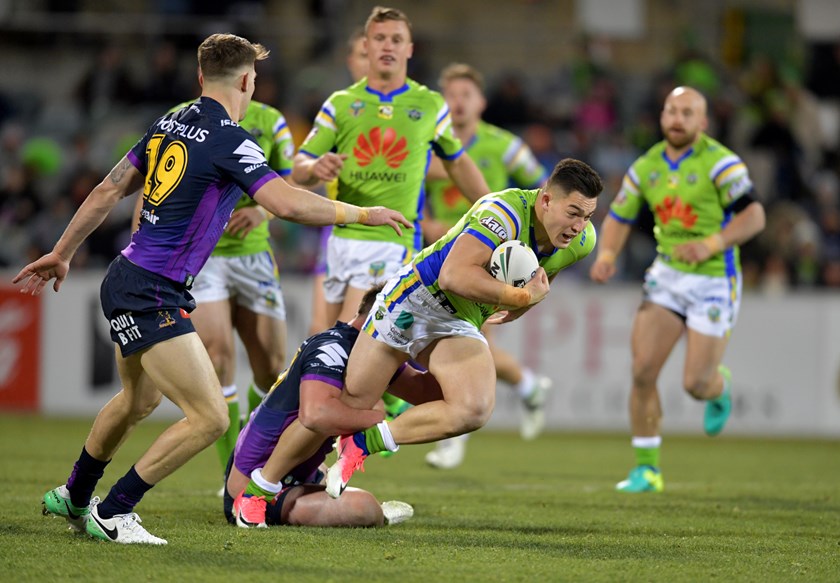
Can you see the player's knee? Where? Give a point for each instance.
(209, 425)
(264, 379)
(221, 355)
(143, 407)
(696, 386)
(644, 374)
(472, 416)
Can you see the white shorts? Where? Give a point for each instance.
(406, 316)
(252, 279)
(360, 264)
(708, 304)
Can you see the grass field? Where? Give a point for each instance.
(733, 510)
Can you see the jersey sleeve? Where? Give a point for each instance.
(731, 178)
(578, 249)
(239, 158)
(321, 138)
(494, 221)
(283, 148)
(326, 362)
(444, 143)
(137, 154)
(522, 166)
(629, 200)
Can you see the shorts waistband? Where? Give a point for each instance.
(128, 264)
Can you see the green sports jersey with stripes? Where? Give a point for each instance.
(690, 199)
(503, 159)
(388, 139)
(494, 219)
(268, 127)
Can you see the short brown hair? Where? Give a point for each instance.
(461, 71)
(382, 14)
(358, 32)
(369, 298)
(221, 55)
(573, 175)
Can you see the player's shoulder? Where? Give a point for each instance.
(713, 150)
(516, 201)
(418, 91)
(491, 132)
(330, 348)
(263, 110)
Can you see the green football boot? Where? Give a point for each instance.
(642, 479)
(57, 502)
(718, 410)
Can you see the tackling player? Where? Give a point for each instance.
(309, 390)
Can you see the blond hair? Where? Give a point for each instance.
(461, 71)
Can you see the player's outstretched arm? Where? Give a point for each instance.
(301, 206)
(611, 239)
(123, 180)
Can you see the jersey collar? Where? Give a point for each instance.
(675, 164)
(387, 97)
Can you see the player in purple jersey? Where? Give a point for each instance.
(309, 390)
(192, 166)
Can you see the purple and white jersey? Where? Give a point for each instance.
(197, 162)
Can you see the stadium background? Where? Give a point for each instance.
(82, 79)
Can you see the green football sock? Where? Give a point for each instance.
(374, 442)
(255, 397)
(647, 456)
(252, 489)
(227, 442)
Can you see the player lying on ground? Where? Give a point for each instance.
(309, 390)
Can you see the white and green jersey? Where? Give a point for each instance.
(388, 139)
(690, 199)
(503, 159)
(268, 127)
(494, 219)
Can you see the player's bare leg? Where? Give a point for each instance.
(319, 321)
(214, 323)
(309, 505)
(705, 378)
(656, 331)
(264, 338)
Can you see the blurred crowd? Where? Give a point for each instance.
(783, 121)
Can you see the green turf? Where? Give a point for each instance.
(732, 510)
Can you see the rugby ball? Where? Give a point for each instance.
(514, 263)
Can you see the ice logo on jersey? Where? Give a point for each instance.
(251, 155)
(332, 354)
(375, 143)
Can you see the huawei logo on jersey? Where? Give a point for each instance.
(378, 144)
(674, 208)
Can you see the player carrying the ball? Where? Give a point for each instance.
(433, 309)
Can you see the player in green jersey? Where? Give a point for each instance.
(433, 309)
(376, 138)
(701, 197)
(502, 158)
